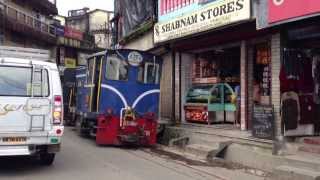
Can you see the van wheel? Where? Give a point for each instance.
(47, 159)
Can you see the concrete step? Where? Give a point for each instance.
(201, 151)
(294, 173)
(209, 140)
(315, 149)
(312, 141)
(302, 159)
(182, 153)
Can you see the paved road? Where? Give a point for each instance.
(81, 159)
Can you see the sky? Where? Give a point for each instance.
(65, 5)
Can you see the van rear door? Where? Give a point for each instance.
(24, 99)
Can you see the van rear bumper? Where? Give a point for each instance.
(35, 141)
(15, 151)
(27, 150)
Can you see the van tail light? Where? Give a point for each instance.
(57, 110)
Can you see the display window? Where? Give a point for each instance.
(217, 66)
(215, 90)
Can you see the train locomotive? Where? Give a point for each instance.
(118, 97)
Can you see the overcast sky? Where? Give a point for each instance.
(65, 5)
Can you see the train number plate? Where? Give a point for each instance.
(14, 139)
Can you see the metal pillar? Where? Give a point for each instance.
(173, 85)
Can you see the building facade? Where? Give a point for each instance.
(28, 24)
(225, 64)
(95, 23)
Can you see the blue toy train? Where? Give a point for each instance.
(117, 82)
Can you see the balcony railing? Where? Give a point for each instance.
(23, 18)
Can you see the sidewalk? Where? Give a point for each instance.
(217, 169)
(206, 144)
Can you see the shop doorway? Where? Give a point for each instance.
(214, 97)
(300, 88)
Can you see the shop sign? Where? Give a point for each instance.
(70, 63)
(135, 58)
(280, 10)
(212, 15)
(73, 33)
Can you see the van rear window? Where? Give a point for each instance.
(17, 81)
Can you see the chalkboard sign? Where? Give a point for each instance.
(263, 122)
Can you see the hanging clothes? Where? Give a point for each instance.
(307, 109)
(316, 77)
(317, 120)
(286, 84)
(290, 110)
(305, 81)
(292, 63)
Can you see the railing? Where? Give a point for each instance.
(29, 20)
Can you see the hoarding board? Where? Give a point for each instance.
(210, 16)
(70, 63)
(281, 10)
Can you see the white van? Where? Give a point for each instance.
(31, 107)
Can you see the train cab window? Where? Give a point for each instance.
(149, 73)
(116, 69)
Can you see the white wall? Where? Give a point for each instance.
(99, 20)
(145, 42)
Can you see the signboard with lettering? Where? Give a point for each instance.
(281, 10)
(210, 16)
(263, 122)
(73, 33)
(70, 63)
(169, 9)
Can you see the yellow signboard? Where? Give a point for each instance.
(212, 15)
(70, 63)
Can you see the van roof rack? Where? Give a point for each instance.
(25, 53)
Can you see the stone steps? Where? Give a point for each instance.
(306, 145)
(240, 147)
(312, 141)
(200, 150)
(305, 160)
(315, 149)
(294, 173)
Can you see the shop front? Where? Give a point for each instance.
(300, 81)
(298, 76)
(215, 85)
(209, 58)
